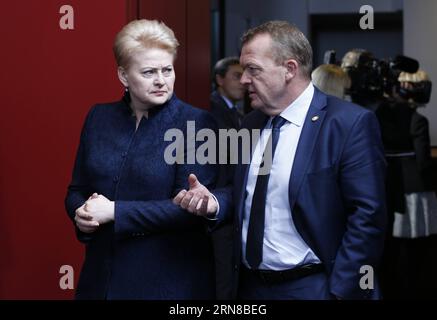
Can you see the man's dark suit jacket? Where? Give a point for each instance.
(154, 249)
(226, 118)
(336, 193)
(222, 236)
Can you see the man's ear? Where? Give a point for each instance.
(291, 66)
(219, 80)
(122, 76)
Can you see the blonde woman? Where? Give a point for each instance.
(139, 245)
(331, 79)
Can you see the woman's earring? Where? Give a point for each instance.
(126, 89)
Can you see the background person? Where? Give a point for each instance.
(224, 107)
(228, 92)
(331, 79)
(411, 200)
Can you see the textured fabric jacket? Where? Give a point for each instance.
(153, 249)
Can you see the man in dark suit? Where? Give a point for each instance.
(311, 226)
(229, 91)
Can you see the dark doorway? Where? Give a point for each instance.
(341, 32)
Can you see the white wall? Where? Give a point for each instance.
(420, 27)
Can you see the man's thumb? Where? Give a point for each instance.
(192, 180)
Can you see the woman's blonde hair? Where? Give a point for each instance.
(140, 34)
(331, 79)
(419, 76)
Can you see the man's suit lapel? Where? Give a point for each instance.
(307, 142)
(258, 121)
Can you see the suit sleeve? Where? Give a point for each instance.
(132, 217)
(225, 202)
(79, 189)
(362, 181)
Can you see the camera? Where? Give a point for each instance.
(415, 87)
(373, 80)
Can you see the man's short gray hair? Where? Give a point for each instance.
(288, 42)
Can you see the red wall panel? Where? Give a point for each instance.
(199, 52)
(190, 20)
(50, 77)
(173, 14)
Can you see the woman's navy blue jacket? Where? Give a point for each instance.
(153, 249)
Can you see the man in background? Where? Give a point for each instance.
(229, 91)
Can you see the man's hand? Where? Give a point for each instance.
(197, 199)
